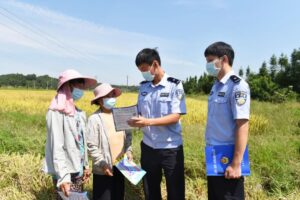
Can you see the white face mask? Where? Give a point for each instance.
(109, 103)
(212, 69)
(77, 93)
(148, 76)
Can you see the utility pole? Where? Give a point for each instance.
(127, 83)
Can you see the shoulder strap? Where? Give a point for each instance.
(174, 80)
(143, 82)
(235, 78)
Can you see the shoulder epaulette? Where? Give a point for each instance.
(174, 80)
(235, 78)
(143, 82)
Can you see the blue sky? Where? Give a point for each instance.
(101, 38)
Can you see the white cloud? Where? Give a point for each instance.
(60, 36)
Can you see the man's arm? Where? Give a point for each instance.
(161, 121)
(241, 138)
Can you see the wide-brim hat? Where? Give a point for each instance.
(71, 74)
(103, 90)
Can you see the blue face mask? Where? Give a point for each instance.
(109, 103)
(212, 69)
(148, 76)
(77, 93)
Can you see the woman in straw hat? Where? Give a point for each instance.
(106, 145)
(66, 152)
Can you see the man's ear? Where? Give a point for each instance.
(155, 64)
(225, 59)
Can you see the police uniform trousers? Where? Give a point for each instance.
(220, 188)
(167, 161)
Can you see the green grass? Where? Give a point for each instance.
(274, 154)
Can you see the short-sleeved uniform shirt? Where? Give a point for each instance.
(154, 101)
(229, 100)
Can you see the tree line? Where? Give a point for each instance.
(32, 81)
(28, 81)
(276, 81)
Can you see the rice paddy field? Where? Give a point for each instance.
(274, 147)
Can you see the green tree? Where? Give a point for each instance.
(295, 70)
(263, 70)
(283, 76)
(273, 67)
(241, 72)
(248, 72)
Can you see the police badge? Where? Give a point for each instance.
(240, 97)
(179, 94)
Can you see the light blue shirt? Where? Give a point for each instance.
(229, 100)
(154, 101)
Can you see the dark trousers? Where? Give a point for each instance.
(171, 162)
(108, 187)
(220, 188)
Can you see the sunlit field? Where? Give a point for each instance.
(274, 147)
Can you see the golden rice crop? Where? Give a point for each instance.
(21, 178)
(37, 102)
(258, 124)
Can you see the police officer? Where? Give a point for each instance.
(228, 119)
(161, 102)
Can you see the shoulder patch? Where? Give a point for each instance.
(174, 80)
(143, 82)
(240, 97)
(235, 78)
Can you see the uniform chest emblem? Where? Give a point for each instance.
(164, 94)
(144, 93)
(221, 94)
(240, 97)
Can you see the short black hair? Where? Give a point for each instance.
(147, 56)
(220, 49)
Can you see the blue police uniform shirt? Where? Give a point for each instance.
(154, 101)
(229, 100)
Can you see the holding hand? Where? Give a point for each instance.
(65, 188)
(107, 170)
(129, 155)
(86, 175)
(233, 172)
(138, 122)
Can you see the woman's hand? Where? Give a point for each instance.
(65, 188)
(107, 170)
(129, 155)
(86, 175)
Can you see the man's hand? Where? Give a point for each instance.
(233, 171)
(138, 122)
(65, 188)
(129, 155)
(107, 170)
(86, 175)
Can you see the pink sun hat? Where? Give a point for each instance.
(71, 74)
(103, 90)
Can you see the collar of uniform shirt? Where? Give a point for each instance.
(226, 77)
(163, 81)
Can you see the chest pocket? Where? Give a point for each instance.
(144, 105)
(164, 105)
(221, 106)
